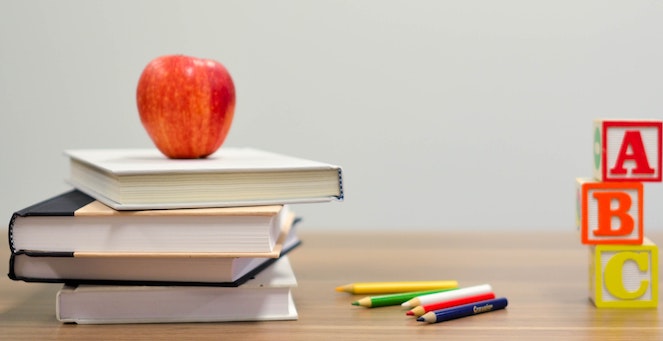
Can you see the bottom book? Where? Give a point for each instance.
(268, 296)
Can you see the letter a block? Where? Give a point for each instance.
(624, 276)
(627, 150)
(610, 212)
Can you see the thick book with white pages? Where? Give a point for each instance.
(181, 269)
(137, 179)
(76, 222)
(266, 297)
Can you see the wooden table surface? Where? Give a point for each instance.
(544, 276)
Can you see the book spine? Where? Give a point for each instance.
(21, 253)
(10, 232)
(340, 184)
(11, 273)
(62, 205)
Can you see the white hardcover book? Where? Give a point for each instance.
(135, 179)
(266, 297)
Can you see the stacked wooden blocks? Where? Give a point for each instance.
(623, 271)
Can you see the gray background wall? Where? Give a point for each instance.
(444, 114)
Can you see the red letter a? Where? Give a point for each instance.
(638, 154)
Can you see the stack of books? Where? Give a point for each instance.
(146, 239)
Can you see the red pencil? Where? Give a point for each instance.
(422, 309)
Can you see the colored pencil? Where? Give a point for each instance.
(448, 295)
(392, 299)
(422, 309)
(369, 288)
(463, 310)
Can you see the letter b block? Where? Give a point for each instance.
(627, 150)
(624, 276)
(610, 212)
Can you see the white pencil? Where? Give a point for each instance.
(448, 295)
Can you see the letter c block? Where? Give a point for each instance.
(624, 276)
(610, 212)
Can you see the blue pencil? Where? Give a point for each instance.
(463, 310)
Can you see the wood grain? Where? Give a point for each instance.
(544, 276)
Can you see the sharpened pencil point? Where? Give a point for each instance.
(344, 288)
(355, 303)
(409, 313)
(421, 319)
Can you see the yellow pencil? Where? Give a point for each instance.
(370, 288)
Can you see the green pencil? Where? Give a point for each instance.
(393, 299)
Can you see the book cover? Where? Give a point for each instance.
(139, 179)
(266, 297)
(75, 222)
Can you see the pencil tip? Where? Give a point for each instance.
(409, 313)
(355, 303)
(344, 288)
(421, 319)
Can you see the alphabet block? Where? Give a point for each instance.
(627, 150)
(610, 212)
(624, 276)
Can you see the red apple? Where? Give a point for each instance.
(186, 104)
